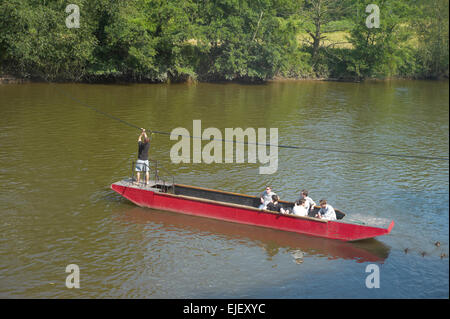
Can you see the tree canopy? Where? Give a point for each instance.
(222, 40)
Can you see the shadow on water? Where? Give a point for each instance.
(271, 240)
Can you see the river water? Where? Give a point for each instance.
(58, 159)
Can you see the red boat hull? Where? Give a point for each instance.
(248, 215)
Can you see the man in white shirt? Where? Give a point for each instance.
(309, 202)
(326, 211)
(300, 208)
(266, 197)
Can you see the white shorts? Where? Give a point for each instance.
(142, 166)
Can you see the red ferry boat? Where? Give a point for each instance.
(240, 208)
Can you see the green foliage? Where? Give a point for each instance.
(431, 27)
(36, 42)
(376, 49)
(247, 40)
(215, 40)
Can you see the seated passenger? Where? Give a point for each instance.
(275, 206)
(300, 208)
(266, 197)
(326, 211)
(309, 202)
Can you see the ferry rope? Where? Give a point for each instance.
(248, 143)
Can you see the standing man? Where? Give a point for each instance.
(142, 162)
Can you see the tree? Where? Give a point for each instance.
(318, 14)
(244, 39)
(376, 48)
(35, 41)
(431, 27)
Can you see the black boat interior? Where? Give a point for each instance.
(234, 198)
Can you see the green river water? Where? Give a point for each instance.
(58, 159)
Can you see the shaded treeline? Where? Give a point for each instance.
(212, 40)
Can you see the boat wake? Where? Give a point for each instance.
(367, 220)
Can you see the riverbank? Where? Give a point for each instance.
(9, 79)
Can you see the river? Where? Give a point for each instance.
(58, 159)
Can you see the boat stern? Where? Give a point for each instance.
(353, 232)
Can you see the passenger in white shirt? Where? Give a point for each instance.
(266, 197)
(309, 202)
(300, 208)
(326, 211)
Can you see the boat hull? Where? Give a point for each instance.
(152, 198)
(371, 250)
